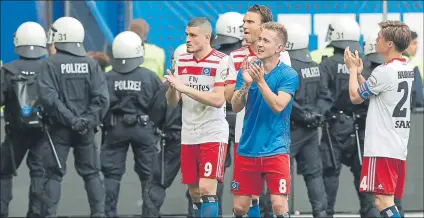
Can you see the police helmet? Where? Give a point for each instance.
(297, 42)
(344, 32)
(181, 49)
(67, 34)
(30, 40)
(229, 29)
(370, 51)
(128, 52)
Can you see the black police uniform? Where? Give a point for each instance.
(168, 119)
(339, 123)
(311, 100)
(18, 95)
(73, 89)
(127, 122)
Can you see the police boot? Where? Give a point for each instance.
(331, 182)
(316, 194)
(112, 187)
(265, 204)
(35, 203)
(96, 195)
(153, 198)
(51, 197)
(219, 193)
(5, 196)
(366, 201)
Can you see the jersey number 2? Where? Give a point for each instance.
(399, 111)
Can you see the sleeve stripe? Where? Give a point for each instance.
(219, 84)
(364, 91)
(230, 82)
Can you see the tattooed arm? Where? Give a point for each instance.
(239, 98)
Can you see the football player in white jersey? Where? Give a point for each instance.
(388, 121)
(198, 80)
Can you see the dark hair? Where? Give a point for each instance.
(265, 12)
(414, 35)
(101, 57)
(397, 32)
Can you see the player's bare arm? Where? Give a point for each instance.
(239, 98)
(354, 64)
(229, 92)
(172, 95)
(216, 98)
(277, 102)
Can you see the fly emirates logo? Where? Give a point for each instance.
(193, 82)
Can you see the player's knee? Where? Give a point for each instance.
(279, 204)
(241, 208)
(207, 186)
(383, 201)
(194, 193)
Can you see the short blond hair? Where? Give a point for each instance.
(397, 32)
(279, 28)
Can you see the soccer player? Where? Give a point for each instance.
(199, 80)
(266, 89)
(387, 125)
(252, 21)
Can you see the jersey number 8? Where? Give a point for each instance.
(283, 186)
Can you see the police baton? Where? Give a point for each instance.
(330, 143)
(358, 145)
(50, 142)
(162, 159)
(12, 152)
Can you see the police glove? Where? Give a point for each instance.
(81, 126)
(312, 120)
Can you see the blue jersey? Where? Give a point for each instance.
(266, 133)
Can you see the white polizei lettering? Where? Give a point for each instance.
(74, 68)
(128, 85)
(342, 68)
(310, 72)
(28, 73)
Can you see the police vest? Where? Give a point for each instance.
(318, 54)
(154, 59)
(415, 62)
(23, 84)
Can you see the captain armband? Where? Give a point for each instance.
(364, 91)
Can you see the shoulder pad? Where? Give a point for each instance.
(11, 68)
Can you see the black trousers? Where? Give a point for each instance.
(87, 165)
(118, 139)
(12, 152)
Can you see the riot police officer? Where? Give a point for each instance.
(339, 142)
(229, 35)
(132, 90)
(169, 157)
(311, 100)
(18, 95)
(73, 93)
